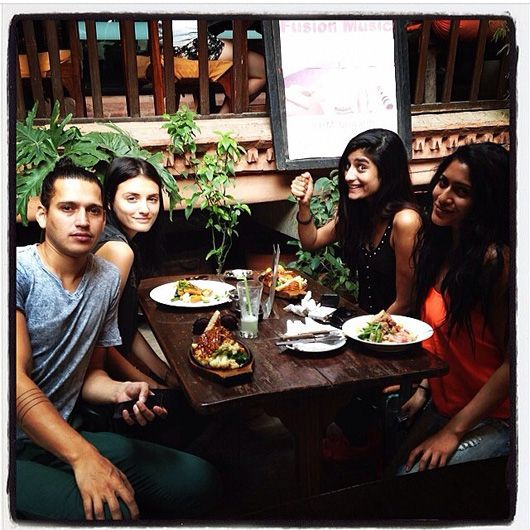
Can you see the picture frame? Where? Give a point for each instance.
(292, 94)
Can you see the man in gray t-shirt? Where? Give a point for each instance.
(66, 317)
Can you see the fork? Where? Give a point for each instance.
(267, 305)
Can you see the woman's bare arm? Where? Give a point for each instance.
(404, 230)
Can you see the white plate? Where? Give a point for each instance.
(164, 293)
(421, 329)
(238, 274)
(319, 347)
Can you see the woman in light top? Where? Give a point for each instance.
(462, 270)
(376, 221)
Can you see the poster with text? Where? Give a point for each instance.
(339, 79)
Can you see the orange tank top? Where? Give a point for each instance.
(469, 368)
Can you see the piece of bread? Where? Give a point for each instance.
(213, 321)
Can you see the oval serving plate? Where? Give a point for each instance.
(163, 294)
(352, 328)
(224, 375)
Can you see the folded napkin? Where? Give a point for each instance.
(308, 307)
(308, 325)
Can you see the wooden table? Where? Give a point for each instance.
(304, 391)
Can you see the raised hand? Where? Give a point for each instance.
(302, 188)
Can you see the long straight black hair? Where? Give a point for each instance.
(356, 220)
(477, 261)
(147, 247)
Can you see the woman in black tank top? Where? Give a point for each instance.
(376, 220)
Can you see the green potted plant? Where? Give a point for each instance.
(325, 264)
(38, 148)
(212, 176)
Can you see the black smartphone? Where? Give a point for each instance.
(329, 300)
(339, 316)
(157, 398)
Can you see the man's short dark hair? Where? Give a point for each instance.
(66, 169)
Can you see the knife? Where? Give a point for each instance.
(326, 339)
(314, 334)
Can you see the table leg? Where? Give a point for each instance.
(307, 420)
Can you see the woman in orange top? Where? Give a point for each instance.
(462, 267)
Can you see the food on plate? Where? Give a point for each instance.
(217, 347)
(383, 328)
(186, 291)
(288, 282)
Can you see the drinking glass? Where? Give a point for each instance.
(249, 294)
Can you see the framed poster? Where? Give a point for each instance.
(330, 80)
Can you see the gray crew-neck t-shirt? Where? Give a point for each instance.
(65, 327)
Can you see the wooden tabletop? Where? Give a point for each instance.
(277, 376)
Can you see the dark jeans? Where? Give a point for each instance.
(168, 484)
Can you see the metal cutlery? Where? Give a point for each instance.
(313, 334)
(326, 339)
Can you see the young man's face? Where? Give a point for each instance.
(75, 217)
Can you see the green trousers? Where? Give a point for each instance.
(168, 484)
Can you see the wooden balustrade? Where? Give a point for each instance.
(68, 66)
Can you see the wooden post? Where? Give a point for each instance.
(34, 67)
(50, 30)
(77, 71)
(422, 62)
(451, 59)
(240, 68)
(93, 62)
(169, 73)
(479, 59)
(128, 48)
(204, 74)
(156, 65)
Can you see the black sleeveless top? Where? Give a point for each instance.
(376, 270)
(128, 307)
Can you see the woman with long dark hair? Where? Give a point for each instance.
(132, 241)
(376, 220)
(376, 225)
(462, 270)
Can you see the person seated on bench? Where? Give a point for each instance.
(66, 308)
(462, 268)
(185, 44)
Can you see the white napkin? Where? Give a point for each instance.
(298, 327)
(308, 307)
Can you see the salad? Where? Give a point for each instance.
(186, 291)
(383, 328)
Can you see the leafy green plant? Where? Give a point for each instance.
(325, 265)
(212, 176)
(38, 148)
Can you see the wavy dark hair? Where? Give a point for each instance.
(477, 262)
(356, 220)
(147, 247)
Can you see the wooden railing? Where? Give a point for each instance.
(68, 64)
(57, 68)
(433, 73)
